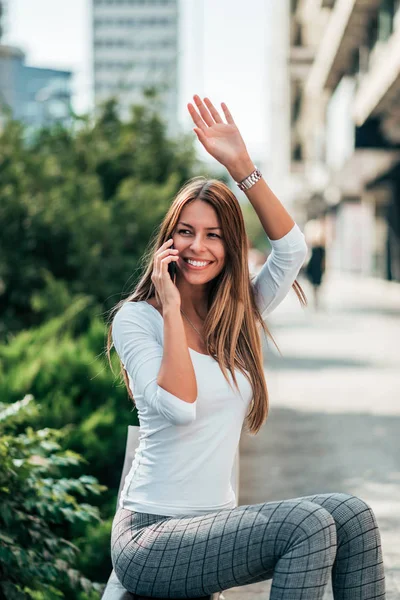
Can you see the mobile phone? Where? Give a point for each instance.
(172, 267)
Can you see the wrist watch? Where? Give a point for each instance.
(249, 181)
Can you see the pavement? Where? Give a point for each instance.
(334, 421)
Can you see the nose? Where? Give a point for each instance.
(198, 245)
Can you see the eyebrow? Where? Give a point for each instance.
(191, 226)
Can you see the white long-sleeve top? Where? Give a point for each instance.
(184, 460)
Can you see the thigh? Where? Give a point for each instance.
(190, 556)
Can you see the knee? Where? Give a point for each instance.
(348, 504)
(318, 521)
(313, 525)
(353, 516)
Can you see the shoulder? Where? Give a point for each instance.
(135, 330)
(130, 308)
(135, 315)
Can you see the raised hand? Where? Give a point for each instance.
(222, 140)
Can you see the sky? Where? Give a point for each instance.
(225, 60)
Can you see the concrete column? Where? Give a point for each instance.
(278, 93)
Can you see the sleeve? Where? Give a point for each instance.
(141, 354)
(277, 275)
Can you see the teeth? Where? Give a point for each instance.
(197, 263)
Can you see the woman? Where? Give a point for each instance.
(315, 268)
(178, 531)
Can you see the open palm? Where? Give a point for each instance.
(222, 140)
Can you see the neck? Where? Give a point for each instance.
(195, 313)
(194, 300)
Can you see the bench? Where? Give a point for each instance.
(114, 590)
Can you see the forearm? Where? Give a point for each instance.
(273, 216)
(176, 373)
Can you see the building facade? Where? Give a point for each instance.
(345, 116)
(278, 165)
(36, 96)
(135, 46)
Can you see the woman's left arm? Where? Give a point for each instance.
(225, 143)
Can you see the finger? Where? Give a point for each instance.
(165, 261)
(160, 253)
(196, 117)
(200, 135)
(228, 115)
(213, 111)
(159, 269)
(168, 259)
(169, 252)
(203, 110)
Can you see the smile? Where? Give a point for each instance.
(198, 265)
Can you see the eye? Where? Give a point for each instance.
(184, 230)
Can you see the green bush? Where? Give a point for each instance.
(37, 504)
(68, 372)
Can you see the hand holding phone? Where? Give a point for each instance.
(164, 273)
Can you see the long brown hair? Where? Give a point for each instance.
(232, 325)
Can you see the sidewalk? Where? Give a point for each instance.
(334, 418)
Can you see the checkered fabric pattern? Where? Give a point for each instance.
(300, 543)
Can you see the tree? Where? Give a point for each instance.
(78, 206)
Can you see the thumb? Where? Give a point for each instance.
(200, 134)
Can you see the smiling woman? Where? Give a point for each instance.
(192, 361)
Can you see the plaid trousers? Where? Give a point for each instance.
(300, 543)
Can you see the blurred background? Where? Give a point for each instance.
(95, 140)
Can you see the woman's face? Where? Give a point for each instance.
(198, 236)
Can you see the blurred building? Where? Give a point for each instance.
(345, 119)
(36, 96)
(135, 45)
(278, 162)
(2, 18)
